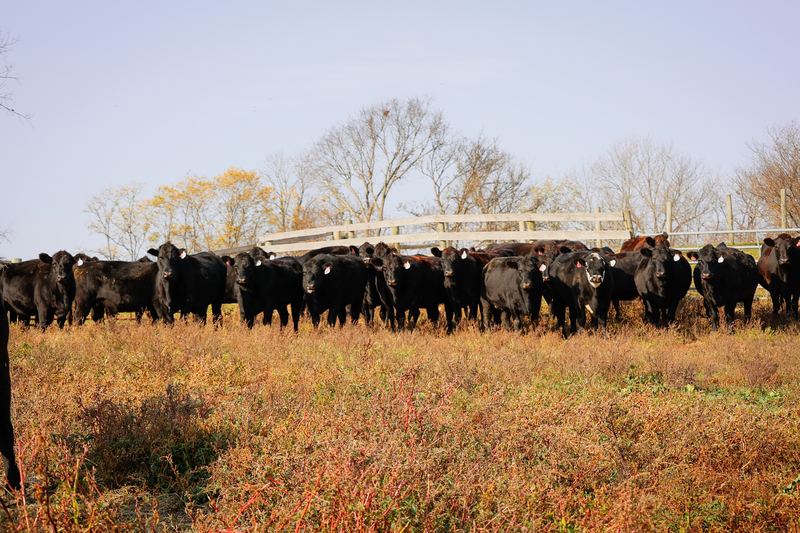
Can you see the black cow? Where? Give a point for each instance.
(332, 283)
(329, 250)
(415, 282)
(513, 286)
(463, 278)
(264, 286)
(6, 428)
(43, 287)
(779, 268)
(725, 276)
(623, 268)
(115, 286)
(581, 282)
(188, 283)
(663, 278)
(377, 294)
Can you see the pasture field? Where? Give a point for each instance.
(128, 427)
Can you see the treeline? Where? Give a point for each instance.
(356, 171)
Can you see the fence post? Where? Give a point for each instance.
(441, 227)
(395, 231)
(783, 208)
(729, 205)
(530, 226)
(598, 228)
(669, 217)
(350, 234)
(628, 222)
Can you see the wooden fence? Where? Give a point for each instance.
(421, 231)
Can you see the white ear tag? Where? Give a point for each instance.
(464, 254)
(258, 263)
(80, 262)
(272, 256)
(676, 257)
(327, 270)
(613, 262)
(721, 259)
(407, 265)
(183, 254)
(542, 268)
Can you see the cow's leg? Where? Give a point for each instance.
(283, 314)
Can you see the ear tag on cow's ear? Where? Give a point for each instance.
(183, 254)
(328, 270)
(80, 262)
(613, 262)
(542, 268)
(721, 259)
(464, 254)
(676, 257)
(272, 256)
(258, 263)
(407, 265)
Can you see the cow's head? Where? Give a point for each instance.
(452, 260)
(785, 248)
(395, 268)
(62, 263)
(316, 272)
(595, 266)
(663, 260)
(169, 259)
(545, 260)
(365, 252)
(708, 260)
(245, 266)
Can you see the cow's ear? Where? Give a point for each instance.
(797, 241)
(693, 256)
(79, 262)
(769, 242)
(579, 262)
(511, 264)
(153, 252)
(612, 262)
(44, 258)
(226, 259)
(376, 261)
(650, 241)
(542, 268)
(297, 267)
(328, 268)
(182, 253)
(464, 253)
(353, 250)
(258, 262)
(436, 251)
(647, 252)
(721, 259)
(393, 250)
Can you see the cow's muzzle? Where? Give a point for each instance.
(527, 285)
(167, 275)
(448, 273)
(391, 283)
(310, 288)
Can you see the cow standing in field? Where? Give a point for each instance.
(43, 287)
(623, 267)
(513, 286)
(463, 278)
(264, 286)
(779, 268)
(332, 283)
(115, 286)
(376, 294)
(6, 427)
(725, 276)
(663, 278)
(416, 281)
(638, 243)
(581, 282)
(188, 283)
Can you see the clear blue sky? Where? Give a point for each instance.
(152, 91)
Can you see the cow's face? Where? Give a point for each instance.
(595, 267)
(785, 248)
(365, 252)
(709, 260)
(663, 260)
(169, 259)
(453, 261)
(245, 267)
(381, 252)
(62, 263)
(529, 272)
(315, 273)
(545, 260)
(394, 269)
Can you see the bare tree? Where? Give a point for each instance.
(118, 214)
(775, 165)
(356, 165)
(6, 75)
(293, 204)
(642, 176)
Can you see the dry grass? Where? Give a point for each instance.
(147, 428)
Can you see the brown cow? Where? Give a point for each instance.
(641, 242)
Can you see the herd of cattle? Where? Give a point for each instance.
(505, 282)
